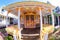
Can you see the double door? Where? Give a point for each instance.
(29, 21)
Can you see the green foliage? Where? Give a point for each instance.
(55, 29)
(55, 36)
(8, 38)
(52, 38)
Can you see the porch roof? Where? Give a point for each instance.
(31, 5)
(28, 3)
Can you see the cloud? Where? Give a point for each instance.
(55, 2)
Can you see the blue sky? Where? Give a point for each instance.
(7, 2)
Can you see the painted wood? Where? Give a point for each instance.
(52, 18)
(6, 19)
(19, 27)
(40, 13)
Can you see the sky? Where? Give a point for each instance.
(7, 2)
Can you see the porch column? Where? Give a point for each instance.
(19, 24)
(6, 19)
(40, 24)
(58, 20)
(18, 18)
(14, 35)
(40, 20)
(52, 18)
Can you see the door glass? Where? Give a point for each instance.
(32, 17)
(27, 17)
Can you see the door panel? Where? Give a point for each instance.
(29, 21)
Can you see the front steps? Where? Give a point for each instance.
(31, 34)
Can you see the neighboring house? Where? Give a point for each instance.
(3, 18)
(57, 16)
(15, 21)
(3, 21)
(56, 13)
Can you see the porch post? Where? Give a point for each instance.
(40, 24)
(58, 20)
(18, 18)
(19, 24)
(40, 20)
(14, 35)
(6, 19)
(52, 18)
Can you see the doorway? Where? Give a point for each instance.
(29, 21)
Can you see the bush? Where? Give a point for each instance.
(8, 38)
(52, 38)
(55, 30)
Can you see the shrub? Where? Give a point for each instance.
(52, 38)
(8, 38)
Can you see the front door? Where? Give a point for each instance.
(29, 21)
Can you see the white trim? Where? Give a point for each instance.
(14, 37)
(46, 36)
(18, 18)
(19, 24)
(52, 18)
(40, 24)
(6, 19)
(30, 34)
(40, 20)
(58, 20)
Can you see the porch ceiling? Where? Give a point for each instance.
(29, 10)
